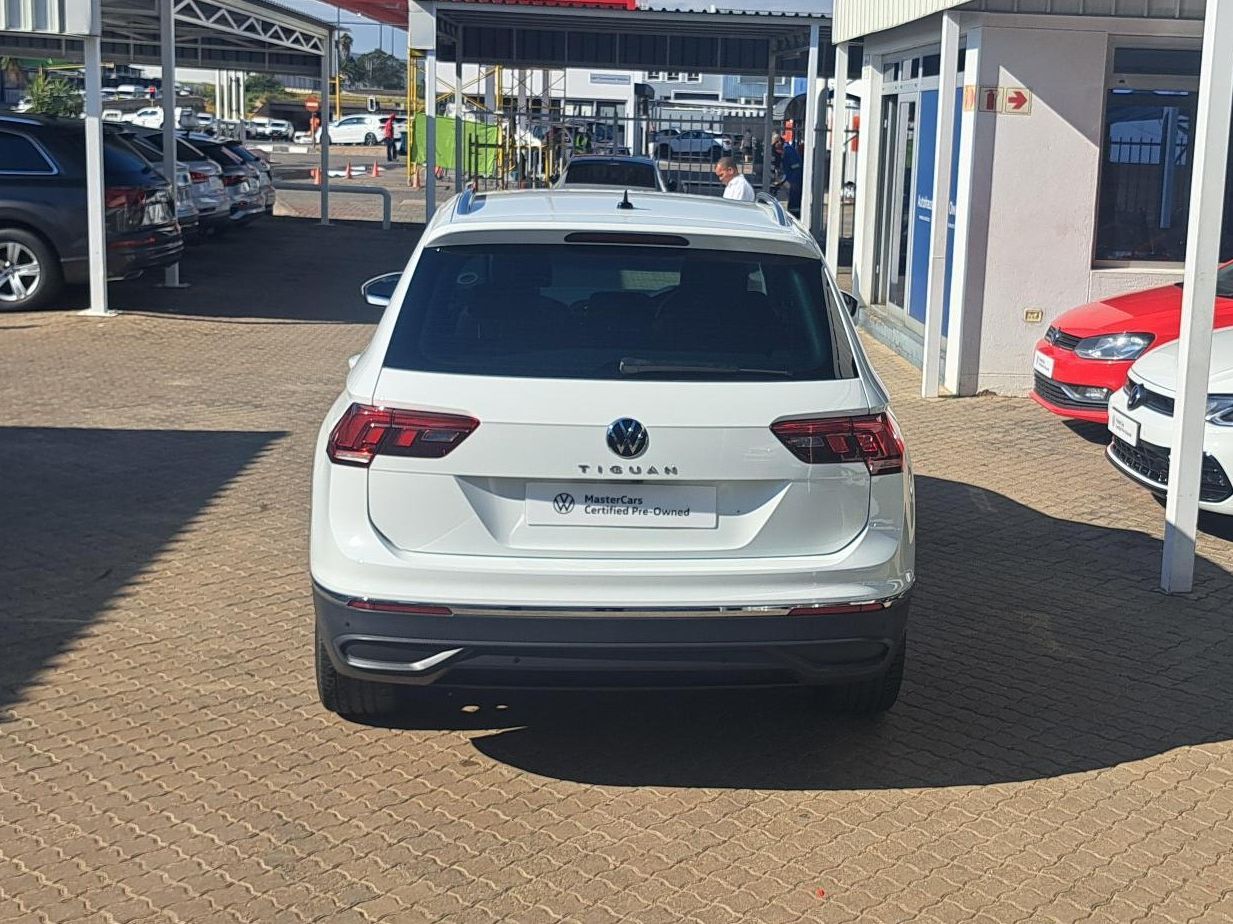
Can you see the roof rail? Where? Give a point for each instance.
(780, 215)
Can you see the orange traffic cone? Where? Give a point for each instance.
(347, 175)
(376, 168)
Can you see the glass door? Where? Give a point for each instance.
(901, 196)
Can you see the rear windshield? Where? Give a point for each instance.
(597, 311)
(610, 174)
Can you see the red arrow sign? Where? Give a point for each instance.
(1017, 100)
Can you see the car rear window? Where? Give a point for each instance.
(610, 174)
(595, 311)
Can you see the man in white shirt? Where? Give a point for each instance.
(735, 184)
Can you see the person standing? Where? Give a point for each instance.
(314, 128)
(793, 174)
(735, 184)
(391, 142)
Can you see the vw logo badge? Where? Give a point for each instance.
(1135, 396)
(627, 438)
(563, 503)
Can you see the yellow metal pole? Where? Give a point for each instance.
(338, 96)
(411, 106)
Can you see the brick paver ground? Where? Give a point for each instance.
(1061, 751)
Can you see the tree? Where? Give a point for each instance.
(54, 97)
(376, 69)
(258, 88)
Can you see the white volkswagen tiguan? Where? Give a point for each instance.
(604, 439)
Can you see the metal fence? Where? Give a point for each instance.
(532, 148)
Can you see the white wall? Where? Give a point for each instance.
(1033, 189)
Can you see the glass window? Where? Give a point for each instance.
(1175, 62)
(610, 173)
(19, 155)
(1145, 175)
(610, 311)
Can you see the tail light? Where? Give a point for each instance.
(874, 440)
(198, 177)
(365, 432)
(233, 179)
(126, 207)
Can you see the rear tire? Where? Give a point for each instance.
(37, 271)
(348, 697)
(868, 697)
(370, 139)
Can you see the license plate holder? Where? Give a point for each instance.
(1124, 428)
(640, 506)
(1043, 364)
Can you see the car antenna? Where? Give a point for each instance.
(625, 203)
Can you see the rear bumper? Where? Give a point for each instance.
(596, 649)
(146, 250)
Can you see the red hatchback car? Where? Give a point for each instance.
(1085, 356)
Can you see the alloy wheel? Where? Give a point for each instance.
(20, 272)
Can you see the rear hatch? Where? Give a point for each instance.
(621, 402)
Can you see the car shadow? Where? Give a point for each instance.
(1039, 647)
(1095, 433)
(85, 511)
(278, 268)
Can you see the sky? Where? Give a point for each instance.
(365, 33)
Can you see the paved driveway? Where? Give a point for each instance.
(1061, 751)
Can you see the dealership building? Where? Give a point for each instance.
(1069, 156)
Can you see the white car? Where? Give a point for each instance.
(602, 438)
(706, 145)
(276, 129)
(365, 128)
(152, 117)
(1141, 421)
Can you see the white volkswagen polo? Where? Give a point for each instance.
(603, 439)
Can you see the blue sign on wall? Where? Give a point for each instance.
(922, 208)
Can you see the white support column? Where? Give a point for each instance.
(241, 80)
(938, 228)
(1207, 188)
(430, 129)
(869, 193)
(327, 58)
(167, 38)
(458, 104)
(959, 349)
(96, 225)
(218, 94)
(839, 144)
(810, 171)
(768, 118)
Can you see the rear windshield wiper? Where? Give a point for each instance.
(630, 366)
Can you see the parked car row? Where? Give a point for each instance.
(217, 185)
(1115, 362)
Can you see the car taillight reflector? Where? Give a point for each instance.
(118, 197)
(837, 609)
(385, 606)
(874, 440)
(365, 432)
(233, 179)
(198, 177)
